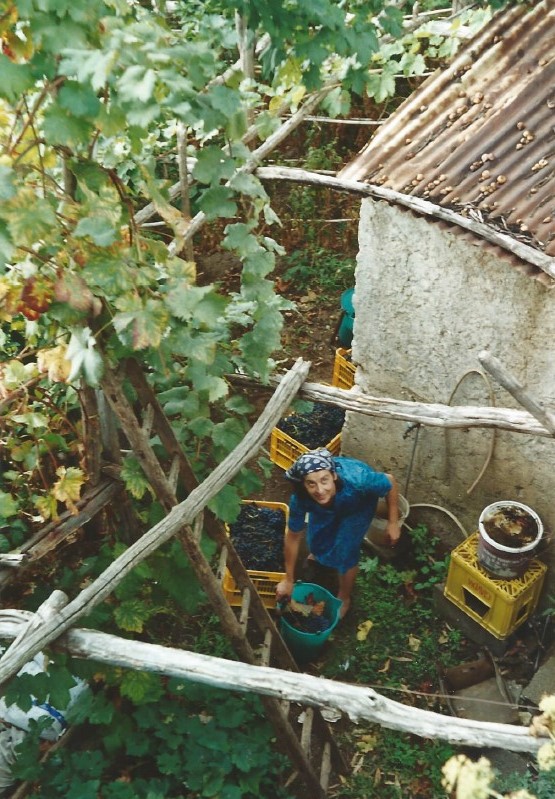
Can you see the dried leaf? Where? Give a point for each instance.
(363, 630)
(443, 638)
(67, 488)
(414, 643)
(385, 667)
(54, 362)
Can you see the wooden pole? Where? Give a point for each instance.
(184, 186)
(496, 369)
(430, 414)
(423, 207)
(358, 701)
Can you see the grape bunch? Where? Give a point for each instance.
(257, 535)
(316, 428)
(306, 624)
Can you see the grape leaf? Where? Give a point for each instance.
(84, 358)
(217, 202)
(141, 686)
(78, 99)
(213, 165)
(29, 217)
(132, 614)
(8, 505)
(67, 488)
(99, 229)
(143, 326)
(134, 478)
(15, 79)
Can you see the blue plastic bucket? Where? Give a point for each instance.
(345, 332)
(305, 646)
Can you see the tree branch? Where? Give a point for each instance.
(416, 204)
(431, 414)
(358, 702)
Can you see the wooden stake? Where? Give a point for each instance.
(358, 701)
(431, 414)
(496, 369)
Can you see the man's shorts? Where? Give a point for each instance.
(325, 576)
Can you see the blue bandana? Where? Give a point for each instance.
(313, 461)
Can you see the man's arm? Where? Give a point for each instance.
(392, 499)
(290, 554)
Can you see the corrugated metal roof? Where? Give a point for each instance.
(479, 137)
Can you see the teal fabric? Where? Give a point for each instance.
(345, 332)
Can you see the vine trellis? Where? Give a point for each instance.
(54, 624)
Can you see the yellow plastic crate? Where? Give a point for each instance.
(498, 605)
(284, 450)
(343, 370)
(264, 582)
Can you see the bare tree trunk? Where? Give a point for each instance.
(246, 47)
(92, 439)
(124, 513)
(184, 187)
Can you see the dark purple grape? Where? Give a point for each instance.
(315, 428)
(257, 535)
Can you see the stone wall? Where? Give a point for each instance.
(428, 299)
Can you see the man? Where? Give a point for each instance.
(339, 496)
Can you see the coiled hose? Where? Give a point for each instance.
(484, 466)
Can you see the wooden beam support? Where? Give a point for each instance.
(527, 253)
(496, 369)
(430, 414)
(357, 701)
(52, 535)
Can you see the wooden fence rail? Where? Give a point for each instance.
(357, 701)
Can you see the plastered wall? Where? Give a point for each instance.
(427, 301)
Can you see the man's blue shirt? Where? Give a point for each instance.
(335, 534)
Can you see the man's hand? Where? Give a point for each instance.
(284, 589)
(393, 532)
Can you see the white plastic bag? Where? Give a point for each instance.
(12, 714)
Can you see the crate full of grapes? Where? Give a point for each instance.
(300, 432)
(257, 536)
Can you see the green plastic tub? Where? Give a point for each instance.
(305, 646)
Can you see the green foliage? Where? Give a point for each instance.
(404, 766)
(178, 737)
(394, 643)
(51, 686)
(319, 269)
(404, 652)
(431, 570)
(90, 127)
(540, 784)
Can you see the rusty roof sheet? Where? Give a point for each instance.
(479, 137)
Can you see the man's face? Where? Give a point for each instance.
(321, 486)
